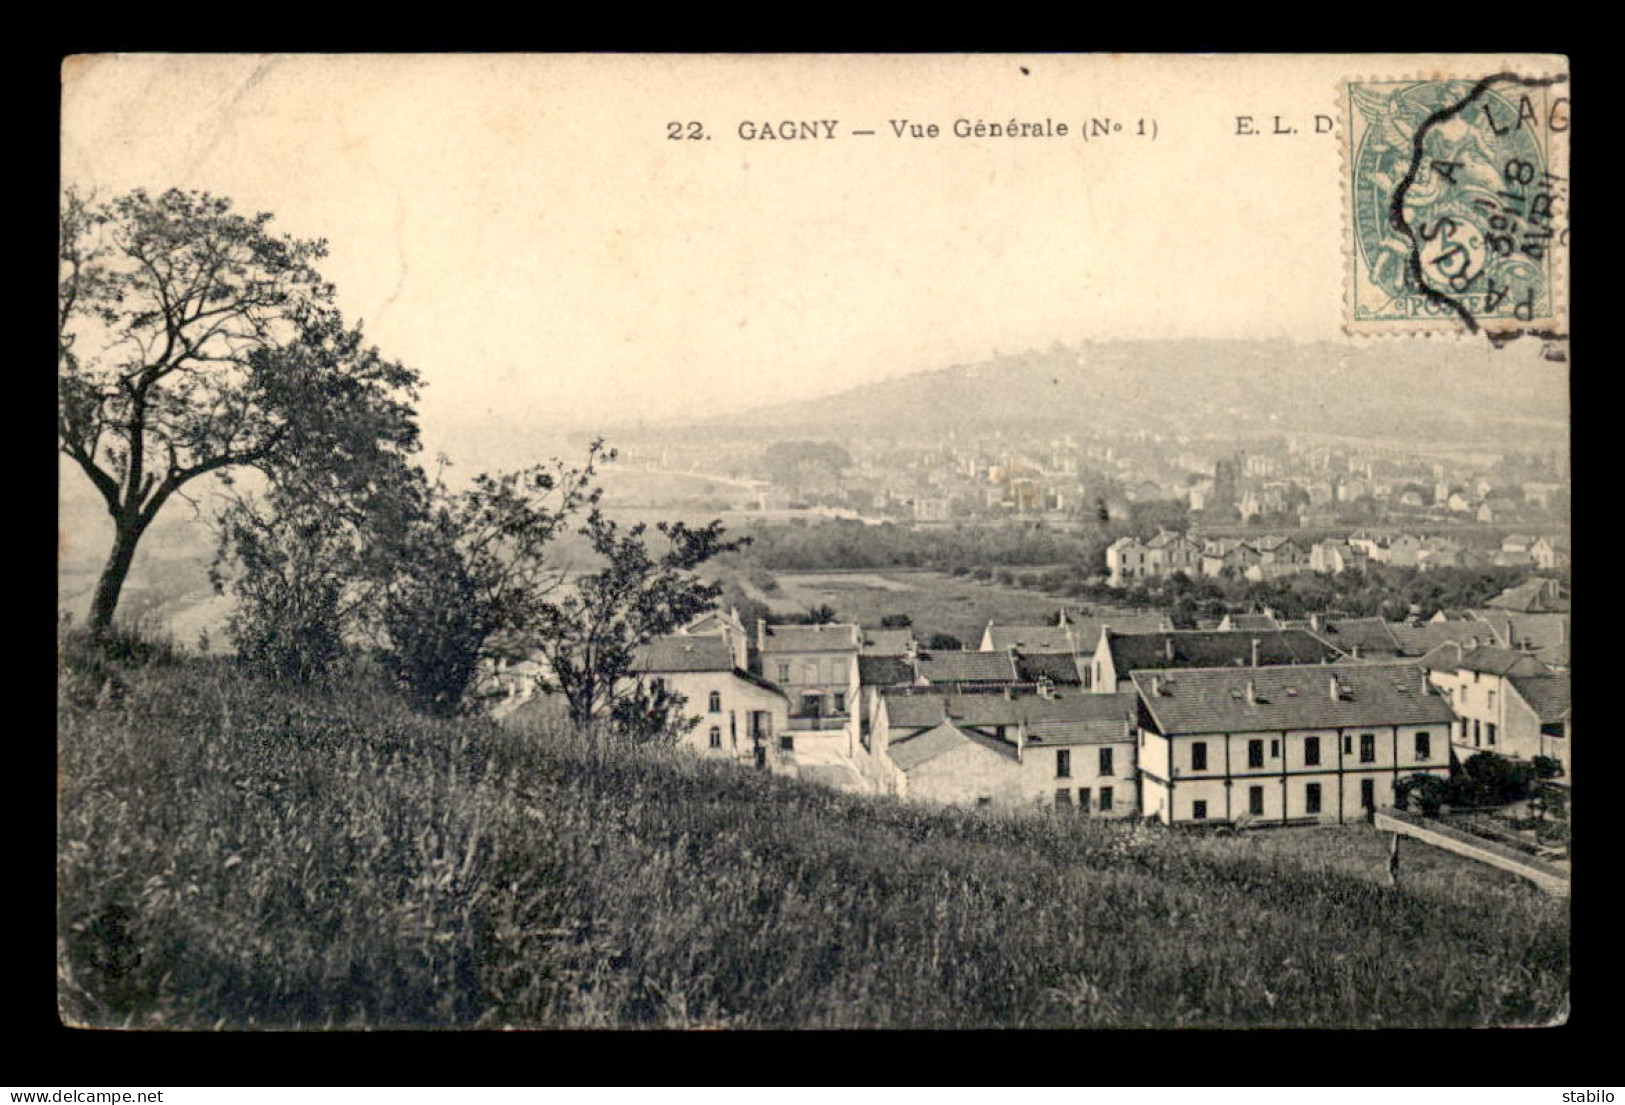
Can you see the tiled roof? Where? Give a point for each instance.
(1253, 621)
(886, 642)
(1030, 638)
(834, 637)
(1214, 700)
(920, 710)
(884, 671)
(916, 750)
(1547, 695)
(1543, 632)
(966, 667)
(1207, 648)
(1500, 661)
(1532, 596)
(1418, 640)
(1057, 667)
(1369, 635)
(684, 653)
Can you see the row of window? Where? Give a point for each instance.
(1312, 796)
(839, 671)
(1311, 750)
(1483, 733)
(1063, 797)
(1063, 763)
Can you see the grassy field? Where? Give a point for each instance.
(936, 601)
(239, 855)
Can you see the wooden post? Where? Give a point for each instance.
(1393, 862)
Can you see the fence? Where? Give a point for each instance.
(1554, 880)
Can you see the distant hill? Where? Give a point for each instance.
(1412, 389)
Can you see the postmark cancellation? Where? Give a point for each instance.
(1457, 205)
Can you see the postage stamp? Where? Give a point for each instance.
(1457, 205)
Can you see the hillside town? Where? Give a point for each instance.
(1258, 719)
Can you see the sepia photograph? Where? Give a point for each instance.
(796, 542)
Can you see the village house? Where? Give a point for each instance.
(1288, 744)
(737, 715)
(1062, 749)
(817, 668)
(1218, 555)
(1129, 561)
(1490, 714)
(1118, 654)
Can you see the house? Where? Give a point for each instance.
(1476, 678)
(1219, 555)
(737, 715)
(1544, 636)
(1129, 560)
(1118, 654)
(816, 666)
(887, 642)
(1537, 719)
(1256, 620)
(1030, 638)
(1062, 749)
(1550, 552)
(724, 624)
(1287, 744)
(1533, 596)
(1333, 557)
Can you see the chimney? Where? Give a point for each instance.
(761, 635)
(1354, 651)
(1252, 694)
(1315, 622)
(1021, 740)
(1336, 688)
(1168, 648)
(1255, 652)
(1156, 686)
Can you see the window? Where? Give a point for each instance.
(657, 684)
(716, 736)
(1275, 749)
(1311, 751)
(1199, 756)
(1477, 734)
(1105, 798)
(1199, 811)
(809, 671)
(1368, 748)
(1083, 799)
(1255, 801)
(1490, 695)
(1063, 797)
(840, 702)
(984, 800)
(809, 705)
(1063, 763)
(716, 702)
(1348, 745)
(1311, 798)
(1424, 746)
(787, 743)
(1368, 794)
(1489, 733)
(1255, 753)
(784, 672)
(1106, 762)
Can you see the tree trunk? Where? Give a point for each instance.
(114, 574)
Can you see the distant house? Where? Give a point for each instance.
(887, 642)
(1257, 620)
(1285, 744)
(1550, 552)
(737, 715)
(1130, 561)
(1117, 654)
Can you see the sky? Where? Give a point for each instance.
(523, 231)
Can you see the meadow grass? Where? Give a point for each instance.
(235, 854)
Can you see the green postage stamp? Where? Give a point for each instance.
(1457, 204)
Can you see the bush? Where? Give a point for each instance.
(1490, 779)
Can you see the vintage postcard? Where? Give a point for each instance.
(861, 541)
